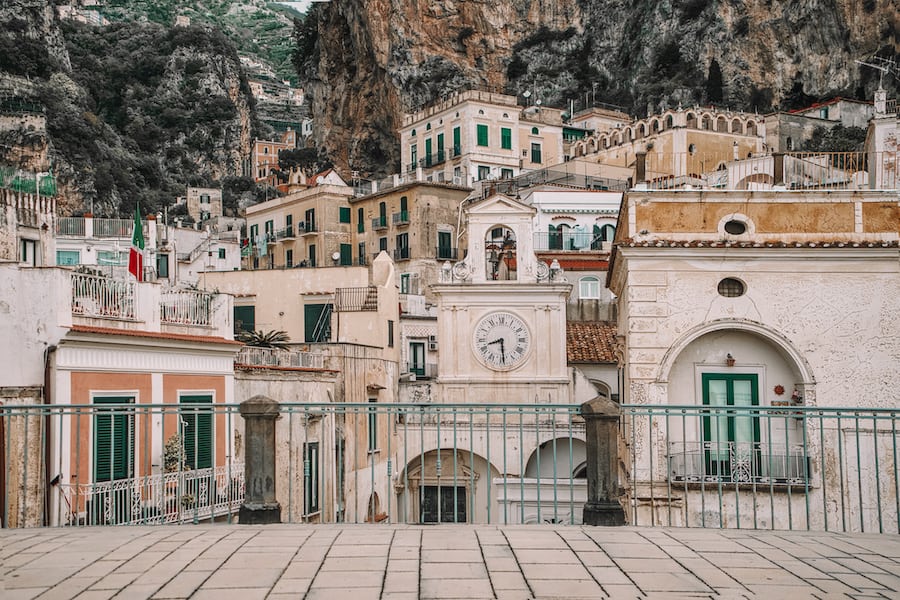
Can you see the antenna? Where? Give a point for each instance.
(883, 65)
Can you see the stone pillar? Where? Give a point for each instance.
(260, 505)
(601, 418)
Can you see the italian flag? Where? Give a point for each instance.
(136, 256)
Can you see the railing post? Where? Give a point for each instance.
(778, 175)
(260, 506)
(601, 417)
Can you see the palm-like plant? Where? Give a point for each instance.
(265, 339)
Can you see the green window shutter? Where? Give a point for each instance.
(317, 322)
(197, 432)
(113, 440)
(456, 142)
(482, 135)
(346, 255)
(344, 214)
(404, 204)
(506, 138)
(361, 217)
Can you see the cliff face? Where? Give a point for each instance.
(375, 60)
(134, 112)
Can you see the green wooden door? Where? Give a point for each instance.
(731, 437)
(113, 439)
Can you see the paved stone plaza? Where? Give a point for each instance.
(220, 562)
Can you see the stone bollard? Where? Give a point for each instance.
(260, 505)
(601, 418)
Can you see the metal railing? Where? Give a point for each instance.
(422, 370)
(70, 226)
(113, 228)
(102, 297)
(763, 467)
(285, 233)
(576, 241)
(400, 218)
(274, 357)
(791, 170)
(186, 307)
(347, 462)
(356, 299)
(446, 253)
(379, 223)
(401, 253)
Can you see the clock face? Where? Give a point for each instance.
(501, 340)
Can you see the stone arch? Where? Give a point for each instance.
(616, 138)
(722, 124)
(776, 338)
(669, 123)
(706, 122)
(628, 135)
(556, 452)
(642, 130)
(578, 149)
(654, 125)
(751, 127)
(592, 145)
(691, 120)
(736, 126)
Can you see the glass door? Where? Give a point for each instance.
(730, 436)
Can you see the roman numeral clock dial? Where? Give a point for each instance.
(501, 341)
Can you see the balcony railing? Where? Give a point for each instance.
(186, 308)
(70, 226)
(356, 299)
(177, 497)
(433, 159)
(778, 467)
(362, 260)
(400, 218)
(305, 227)
(113, 228)
(97, 228)
(285, 233)
(102, 297)
(275, 357)
(576, 241)
(401, 253)
(446, 253)
(421, 370)
(379, 223)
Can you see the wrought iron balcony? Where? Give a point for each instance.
(446, 253)
(401, 218)
(379, 223)
(401, 253)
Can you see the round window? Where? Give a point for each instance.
(735, 227)
(731, 287)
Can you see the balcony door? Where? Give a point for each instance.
(417, 358)
(731, 437)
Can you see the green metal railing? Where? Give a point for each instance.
(762, 467)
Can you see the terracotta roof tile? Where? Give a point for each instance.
(206, 339)
(632, 243)
(590, 342)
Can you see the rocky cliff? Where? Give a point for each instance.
(134, 112)
(366, 63)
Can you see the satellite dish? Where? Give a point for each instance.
(538, 102)
(336, 256)
(527, 93)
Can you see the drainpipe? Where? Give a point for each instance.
(48, 353)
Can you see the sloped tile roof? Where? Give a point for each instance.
(590, 342)
(156, 335)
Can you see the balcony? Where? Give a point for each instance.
(379, 223)
(433, 159)
(186, 307)
(103, 298)
(736, 463)
(285, 234)
(356, 299)
(400, 218)
(421, 370)
(571, 241)
(401, 253)
(249, 356)
(362, 260)
(446, 253)
(307, 227)
(89, 227)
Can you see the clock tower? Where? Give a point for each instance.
(501, 314)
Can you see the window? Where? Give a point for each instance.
(731, 287)
(823, 113)
(457, 144)
(317, 322)
(310, 217)
(404, 204)
(382, 244)
(440, 146)
(404, 283)
(346, 255)
(390, 332)
(344, 215)
(482, 135)
(445, 245)
(413, 156)
(270, 228)
(162, 265)
(288, 258)
(68, 257)
(244, 318)
(451, 508)
(589, 288)
(311, 477)
(361, 249)
(428, 152)
(312, 255)
(373, 426)
(361, 220)
(483, 172)
(222, 253)
(254, 233)
(506, 174)
(535, 152)
(112, 258)
(534, 131)
(197, 431)
(506, 138)
(735, 227)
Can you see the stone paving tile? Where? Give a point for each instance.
(609, 576)
(622, 591)
(301, 570)
(69, 588)
(472, 570)
(448, 556)
(96, 594)
(456, 588)
(347, 579)
(400, 581)
(508, 581)
(669, 582)
(295, 587)
(403, 565)
(137, 591)
(596, 559)
(231, 594)
(358, 550)
(114, 581)
(23, 593)
(542, 556)
(565, 588)
(650, 565)
(231, 578)
(183, 584)
(644, 550)
(389, 596)
(261, 560)
(755, 576)
(356, 563)
(551, 571)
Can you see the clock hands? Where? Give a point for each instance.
(502, 349)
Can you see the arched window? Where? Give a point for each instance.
(751, 128)
(692, 120)
(721, 125)
(670, 122)
(428, 127)
(534, 131)
(607, 233)
(412, 133)
(589, 288)
(736, 126)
